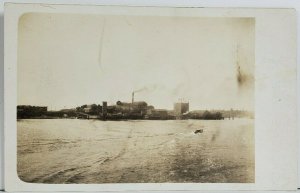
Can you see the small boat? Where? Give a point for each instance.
(198, 131)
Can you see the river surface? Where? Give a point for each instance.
(93, 151)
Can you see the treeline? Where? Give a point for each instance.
(27, 111)
(224, 113)
(207, 115)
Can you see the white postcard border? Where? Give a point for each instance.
(275, 133)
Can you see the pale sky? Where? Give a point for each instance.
(67, 60)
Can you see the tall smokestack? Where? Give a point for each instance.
(132, 98)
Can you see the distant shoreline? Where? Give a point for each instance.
(20, 119)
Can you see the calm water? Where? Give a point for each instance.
(92, 151)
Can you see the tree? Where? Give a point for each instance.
(206, 115)
(94, 109)
(218, 115)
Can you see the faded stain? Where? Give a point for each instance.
(101, 43)
(241, 78)
(244, 79)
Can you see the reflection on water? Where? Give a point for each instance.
(92, 151)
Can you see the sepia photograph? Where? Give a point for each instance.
(105, 98)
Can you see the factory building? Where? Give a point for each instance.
(139, 107)
(181, 108)
(124, 110)
(157, 114)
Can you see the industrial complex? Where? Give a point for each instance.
(128, 111)
(132, 110)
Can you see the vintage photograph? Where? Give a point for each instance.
(135, 99)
